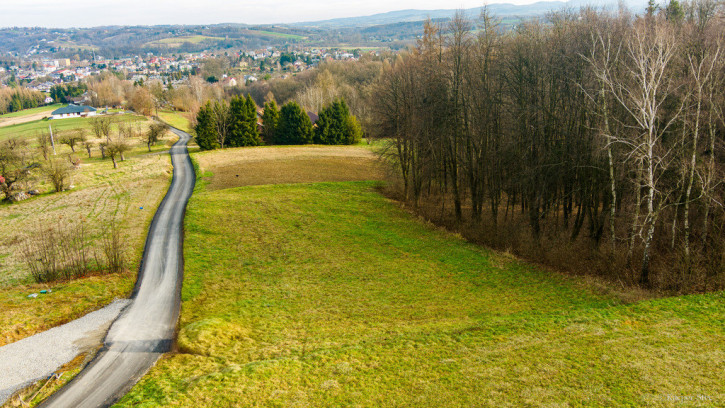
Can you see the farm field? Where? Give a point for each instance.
(129, 195)
(329, 294)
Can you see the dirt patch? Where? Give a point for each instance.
(23, 119)
(284, 165)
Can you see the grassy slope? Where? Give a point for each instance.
(175, 119)
(330, 295)
(26, 112)
(101, 193)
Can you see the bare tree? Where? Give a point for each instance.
(73, 138)
(642, 89)
(58, 172)
(101, 126)
(15, 165)
(222, 121)
(154, 133)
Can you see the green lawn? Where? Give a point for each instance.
(30, 129)
(32, 111)
(331, 295)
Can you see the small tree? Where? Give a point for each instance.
(88, 146)
(73, 138)
(101, 126)
(116, 148)
(152, 136)
(43, 140)
(14, 165)
(58, 172)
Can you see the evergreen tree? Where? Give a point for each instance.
(243, 125)
(270, 118)
(206, 136)
(674, 11)
(294, 125)
(337, 126)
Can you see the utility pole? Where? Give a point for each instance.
(52, 142)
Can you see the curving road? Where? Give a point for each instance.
(146, 328)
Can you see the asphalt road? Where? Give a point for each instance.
(146, 328)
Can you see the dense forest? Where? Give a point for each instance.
(590, 141)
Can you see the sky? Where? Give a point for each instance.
(90, 13)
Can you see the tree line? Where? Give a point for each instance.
(222, 124)
(17, 99)
(589, 140)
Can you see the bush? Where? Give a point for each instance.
(65, 252)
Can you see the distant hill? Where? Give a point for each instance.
(500, 10)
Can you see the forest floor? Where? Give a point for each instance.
(329, 294)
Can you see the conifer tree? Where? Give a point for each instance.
(337, 126)
(205, 128)
(294, 125)
(270, 118)
(243, 126)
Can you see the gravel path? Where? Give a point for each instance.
(38, 356)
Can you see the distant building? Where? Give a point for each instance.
(73, 111)
(48, 99)
(229, 82)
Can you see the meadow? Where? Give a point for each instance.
(100, 195)
(288, 164)
(329, 294)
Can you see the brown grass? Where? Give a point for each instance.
(287, 165)
(23, 119)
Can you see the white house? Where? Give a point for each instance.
(73, 111)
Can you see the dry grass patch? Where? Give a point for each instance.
(287, 165)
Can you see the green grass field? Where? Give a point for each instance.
(30, 129)
(328, 295)
(176, 119)
(26, 112)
